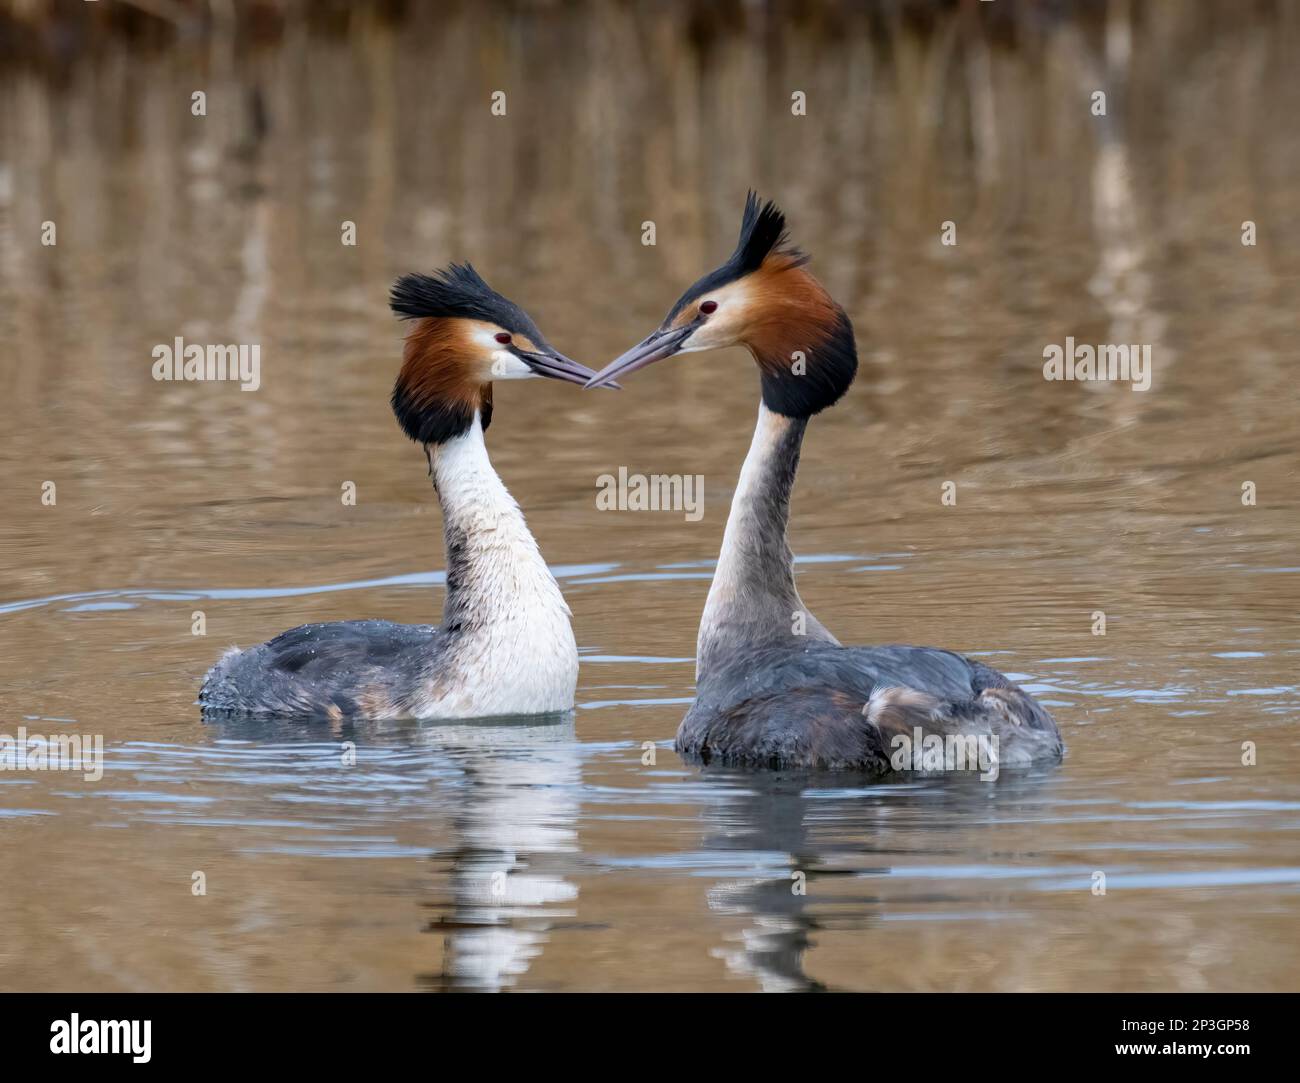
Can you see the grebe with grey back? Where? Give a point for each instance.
(774, 688)
(505, 645)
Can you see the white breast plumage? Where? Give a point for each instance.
(513, 650)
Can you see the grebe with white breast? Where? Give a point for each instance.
(505, 645)
(774, 688)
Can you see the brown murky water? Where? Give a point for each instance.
(1072, 498)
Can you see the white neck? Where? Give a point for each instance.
(753, 600)
(514, 651)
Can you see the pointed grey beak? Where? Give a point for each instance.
(659, 345)
(558, 367)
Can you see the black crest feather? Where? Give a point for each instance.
(459, 292)
(762, 231)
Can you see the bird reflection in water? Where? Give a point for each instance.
(815, 841)
(514, 829)
(504, 812)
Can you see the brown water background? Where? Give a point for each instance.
(1073, 498)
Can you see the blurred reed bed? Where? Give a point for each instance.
(919, 111)
(54, 31)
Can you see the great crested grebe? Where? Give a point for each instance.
(774, 688)
(505, 645)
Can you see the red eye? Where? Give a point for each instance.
(708, 308)
(503, 337)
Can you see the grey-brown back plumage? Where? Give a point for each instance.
(327, 669)
(808, 706)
